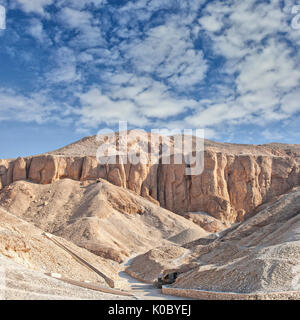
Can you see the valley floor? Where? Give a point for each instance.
(144, 291)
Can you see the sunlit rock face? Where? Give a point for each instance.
(236, 178)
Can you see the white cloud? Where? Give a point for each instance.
(291, 102)
(35, 6)
(85, 57)
(150, 66)
(81, 4)
(66, 67)
(243, 21)
(268, 67)
(139, 100)
(90, 32)
(75, 18)
(211, 23)
(38, 6)
(267, 75)
(16, 107)
(155, 101)
(215, 114)
(98, 108)
(272, 136)
(168, 51)
(37, 31)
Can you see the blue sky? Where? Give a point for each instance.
(72, 67)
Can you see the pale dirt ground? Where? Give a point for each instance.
(259, 255)
(142, 290)
(25, 244)
(19, 283)
(26, 255)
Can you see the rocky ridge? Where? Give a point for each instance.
(236, 180)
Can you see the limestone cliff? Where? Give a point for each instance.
(235, 181)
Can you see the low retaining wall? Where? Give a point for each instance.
(136, 276)
(210, 295)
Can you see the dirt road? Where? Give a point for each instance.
(141, 290)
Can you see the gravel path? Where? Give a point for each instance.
(142, 290)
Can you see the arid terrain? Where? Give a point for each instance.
(234, 228)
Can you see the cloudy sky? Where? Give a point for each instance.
(72, 67)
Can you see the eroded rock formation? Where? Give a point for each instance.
(235, 181)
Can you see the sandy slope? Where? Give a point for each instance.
(26, 255)
(25, 244)
(20, 283)
(107, 220)
(260, 255)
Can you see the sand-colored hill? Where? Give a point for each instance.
(261, 254)
(26, 245)
(147, 267)
(110, 221)
(88, 146)
(236, 180)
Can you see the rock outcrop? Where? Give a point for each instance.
(235, 181)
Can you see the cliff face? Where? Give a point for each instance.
(231, 186)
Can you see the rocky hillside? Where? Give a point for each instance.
(25, 244)
(109, 221)
(239, 229)
(236, 180)
(261, 254)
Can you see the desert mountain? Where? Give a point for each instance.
(232, 228)
(236, 180)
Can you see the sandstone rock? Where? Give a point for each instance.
(19, 171)
(69, 167)
(91, 169)
(43, 169)
(6, 172)
(235, 181)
